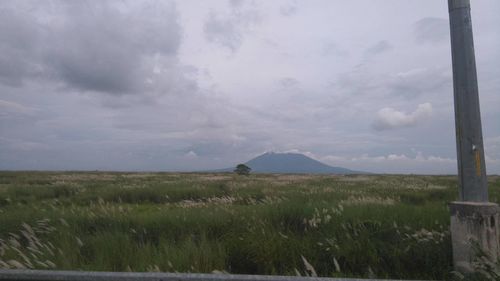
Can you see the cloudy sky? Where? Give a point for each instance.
(193, 85)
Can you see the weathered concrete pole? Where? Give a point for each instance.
(473, 218)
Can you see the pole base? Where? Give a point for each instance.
(473, 225)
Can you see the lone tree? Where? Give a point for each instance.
(242, 169)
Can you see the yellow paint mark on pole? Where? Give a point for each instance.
(478, 164)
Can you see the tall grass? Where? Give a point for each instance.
(353, 226)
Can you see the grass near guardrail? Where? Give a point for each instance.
(51, 275)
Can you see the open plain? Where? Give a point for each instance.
(352, 226)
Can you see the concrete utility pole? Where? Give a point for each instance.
(473, 218)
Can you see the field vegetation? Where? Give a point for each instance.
(351, 226)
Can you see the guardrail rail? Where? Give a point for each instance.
(53, 275)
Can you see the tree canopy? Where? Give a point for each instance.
(242, 169)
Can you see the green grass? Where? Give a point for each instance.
(349, 226)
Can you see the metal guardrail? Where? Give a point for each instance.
(52, 275)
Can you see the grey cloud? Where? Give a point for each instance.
(212, 148)
(289, 82)
(415, 82)
(432, 30)
(8, 108)
(19, 35)
(17, 118)
(289, 9)
(223, 31)
(492, 147)
(334, 49)
(379, 48)
(22, 145)
(357, 82)
(236, 3)
(144, 108)
(410, 84)
(115, 73)
(228, 31)
(102, 48)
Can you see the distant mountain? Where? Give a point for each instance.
(291, 163)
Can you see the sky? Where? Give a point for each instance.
(194, 85)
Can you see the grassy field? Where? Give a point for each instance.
(350, 226)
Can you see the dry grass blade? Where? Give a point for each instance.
(297, 272)
(28, 228)
(15, 264)
(79, 242)
(309, 267)
(337, 266)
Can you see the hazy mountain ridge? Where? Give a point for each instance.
(291, 163)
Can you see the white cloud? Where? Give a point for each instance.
(389, 118)
(306, 153)
(8, 107)
(396, 163)
(191, 155)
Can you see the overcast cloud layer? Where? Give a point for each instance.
(194, 85)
